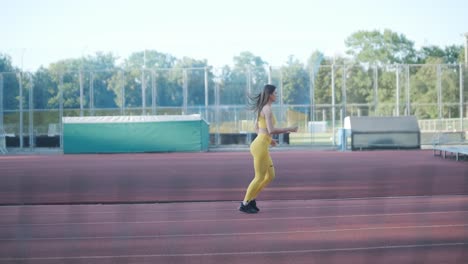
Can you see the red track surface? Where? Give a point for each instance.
(321, 208)
(300, 175)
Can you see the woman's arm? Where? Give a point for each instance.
(271, 128)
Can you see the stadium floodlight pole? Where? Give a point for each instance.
(81, 92)
(333, 98)
(1, 109)
(206, 93)
(19, 76)
(269, 74)
(22, 59)
(461, 95)
(1, 103)
(31, 112)
(461, 82)
(143, 85)
(91, 93)
(185, 91)
(397, 99)
(466, 49)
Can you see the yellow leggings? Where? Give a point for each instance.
(263, 165)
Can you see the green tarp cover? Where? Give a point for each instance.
(123, 134)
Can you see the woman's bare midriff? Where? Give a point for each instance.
(263, 131)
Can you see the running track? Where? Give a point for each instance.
(323, 207)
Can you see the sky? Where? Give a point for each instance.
(39, 32)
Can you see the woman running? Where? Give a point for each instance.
(265, 128)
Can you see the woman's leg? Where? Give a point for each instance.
(260, 155)
(260, 172)
(269, 176)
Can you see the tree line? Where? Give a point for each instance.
(368, 54)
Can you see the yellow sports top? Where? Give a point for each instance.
(262, 121)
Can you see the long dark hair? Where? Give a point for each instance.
(257, 102)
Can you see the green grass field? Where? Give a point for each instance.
(310, 138)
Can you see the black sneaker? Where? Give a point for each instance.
(248, 209)
(253, 203)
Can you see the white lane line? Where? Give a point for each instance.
(263, 219)
(146, 211)
(440, 199)
(214, 254)
(243, 234)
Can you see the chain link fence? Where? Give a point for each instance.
(317, 100)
